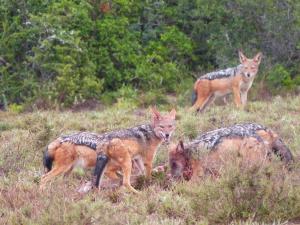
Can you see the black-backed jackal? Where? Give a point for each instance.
(207, 153)
(112, 151)
(237, 80)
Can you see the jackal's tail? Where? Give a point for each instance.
(102, 160)
(47, 160)
(280, 149)
(49, 154)
(194, 94)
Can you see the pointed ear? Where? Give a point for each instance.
(155, 114)
(257, 58)
(173, 114)
(180, 147)
(242, 57)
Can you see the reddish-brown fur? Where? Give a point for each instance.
(207, 90)
(66, 156)
(248, 150)
(121, 153)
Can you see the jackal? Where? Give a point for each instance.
(237, 80)
(254, 144)
(89, 149)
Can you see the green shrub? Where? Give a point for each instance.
(15, 108)
(279, 78)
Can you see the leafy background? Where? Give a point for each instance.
(62, 52)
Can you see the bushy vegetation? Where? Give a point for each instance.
(269, 195)
(62, 52)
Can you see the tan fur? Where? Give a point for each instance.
(207, 90)
(66, 157)
(249, 151)
(122, 153)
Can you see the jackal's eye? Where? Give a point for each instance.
(170, 126)
(161, 126)
(246, 67)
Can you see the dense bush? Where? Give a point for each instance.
(67, 51)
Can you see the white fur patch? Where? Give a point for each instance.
(80, 163)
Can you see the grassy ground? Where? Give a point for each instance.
(240, 196)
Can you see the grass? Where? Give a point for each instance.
(241, 196)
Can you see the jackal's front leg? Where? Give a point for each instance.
(237, 97)
(148, 161)
(244, 98)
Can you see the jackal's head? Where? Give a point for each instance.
(250, 66)
(178, 160)
(163, 125)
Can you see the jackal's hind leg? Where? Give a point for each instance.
(210, 100)
(68, 172)
(201, 103)
(111, 171)
(138, 166)
(53, 173)
(126, 166)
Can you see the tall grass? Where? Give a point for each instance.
(269, 195)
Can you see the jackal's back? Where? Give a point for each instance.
(211, 139)
(225, 73)
(142, 133)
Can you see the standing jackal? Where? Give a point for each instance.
(112, 151)
(237, 80)
(207, 153)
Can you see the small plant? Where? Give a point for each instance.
(15, 108)
(279, 78)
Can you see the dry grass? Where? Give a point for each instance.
(269, 195)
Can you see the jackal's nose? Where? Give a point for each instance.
(248, 74)
(167, 135)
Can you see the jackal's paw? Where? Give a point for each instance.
(130, 189)
(85, 187)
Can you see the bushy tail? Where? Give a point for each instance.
(102, 160)
(47, 160)
(281, 150)
(194, 94)
(194, 97)
(49, 154)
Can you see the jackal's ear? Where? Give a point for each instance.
(180, 147)
(242, 57)
(257, 58)
(155, 113)
(173, 114)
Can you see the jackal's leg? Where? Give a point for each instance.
(201, 103)
(126, 166)
(237, 97)
(111, 171)
(138, 165)
(210, 100)
(53, 173)
(148, 162)
(68, 172)
(244, 98)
